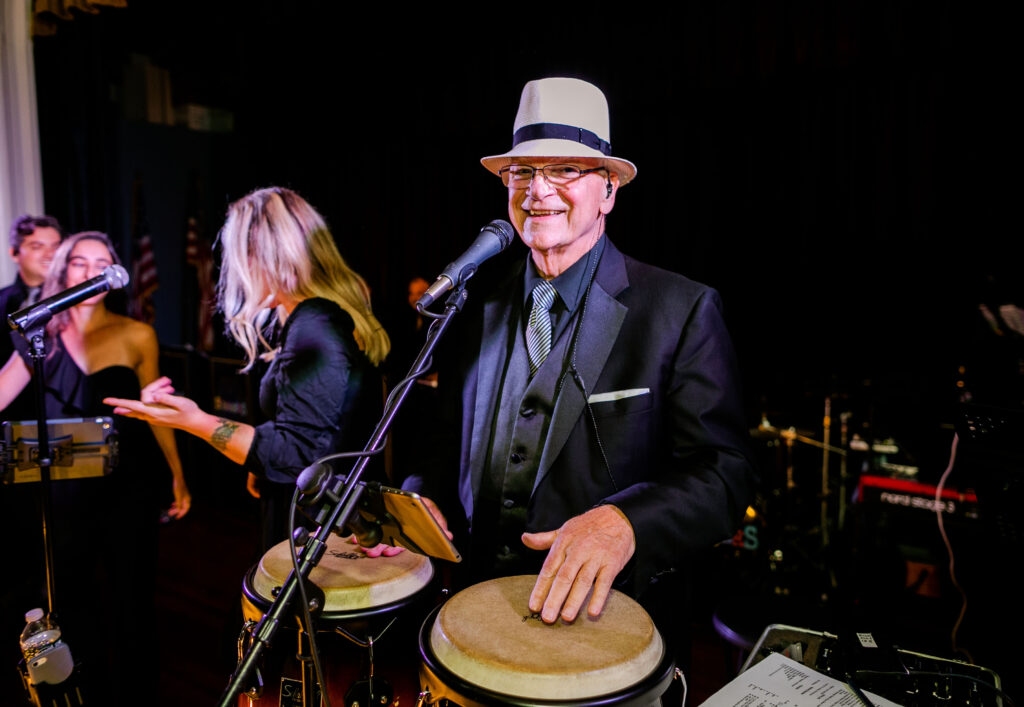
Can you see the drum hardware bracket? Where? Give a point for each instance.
(317, 601)
(368, 642)
(677, 674)
(244, 639)
(363, 692)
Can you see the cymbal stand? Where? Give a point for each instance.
(844, 434)
(791, 435)
(790, 482)
(826, 430)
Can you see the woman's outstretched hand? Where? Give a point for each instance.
(160, 408)
(160, 385)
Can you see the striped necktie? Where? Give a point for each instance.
(538, 328)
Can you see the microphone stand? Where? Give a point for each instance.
(36, 337)
(339, 504)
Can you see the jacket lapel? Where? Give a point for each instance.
(602, 320)
(494, 343)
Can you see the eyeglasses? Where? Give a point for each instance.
(519, 176)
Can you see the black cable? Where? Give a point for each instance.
(593, 423)
(350, 455)
(406, 382)
(579, 379)
(858, 692)
(310, 630)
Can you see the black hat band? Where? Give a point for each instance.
(557, 131)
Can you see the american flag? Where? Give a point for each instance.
(199, 255)
(144, 273)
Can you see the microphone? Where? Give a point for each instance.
(493, 238)
(113, 277)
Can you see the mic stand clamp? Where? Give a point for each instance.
(338, 499)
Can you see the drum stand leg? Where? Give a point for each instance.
(310, 687)
(369, 691)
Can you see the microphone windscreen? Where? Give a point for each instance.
(502, 229)
(116, 276)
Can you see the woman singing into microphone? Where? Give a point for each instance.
(321, 392)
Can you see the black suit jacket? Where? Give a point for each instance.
(11, 298)
(653, 390)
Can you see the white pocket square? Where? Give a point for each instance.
(617, 395)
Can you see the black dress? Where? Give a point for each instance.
(320, 394)
(105, 533)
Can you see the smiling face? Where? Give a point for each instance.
(560, 224)
(88, 258)
(35, 255)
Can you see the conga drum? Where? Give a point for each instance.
(485, 647)
(362, 597)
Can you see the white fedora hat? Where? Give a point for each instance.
(561, 117)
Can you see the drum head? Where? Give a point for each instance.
(487, 636)
(350, 580)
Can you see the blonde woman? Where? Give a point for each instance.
(321, 391)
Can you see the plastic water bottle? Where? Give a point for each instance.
(47, 657)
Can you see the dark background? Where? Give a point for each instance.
(840, 172)
(835, 170)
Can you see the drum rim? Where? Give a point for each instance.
(653, 685)
(263, 604)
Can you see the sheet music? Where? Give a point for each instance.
(778, 681)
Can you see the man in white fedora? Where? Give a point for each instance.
(602, 433)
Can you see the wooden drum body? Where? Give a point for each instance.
(362, 596)
(484, 647)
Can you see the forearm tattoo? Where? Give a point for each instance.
(222, 434)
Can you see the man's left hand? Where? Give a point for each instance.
(587, 551)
